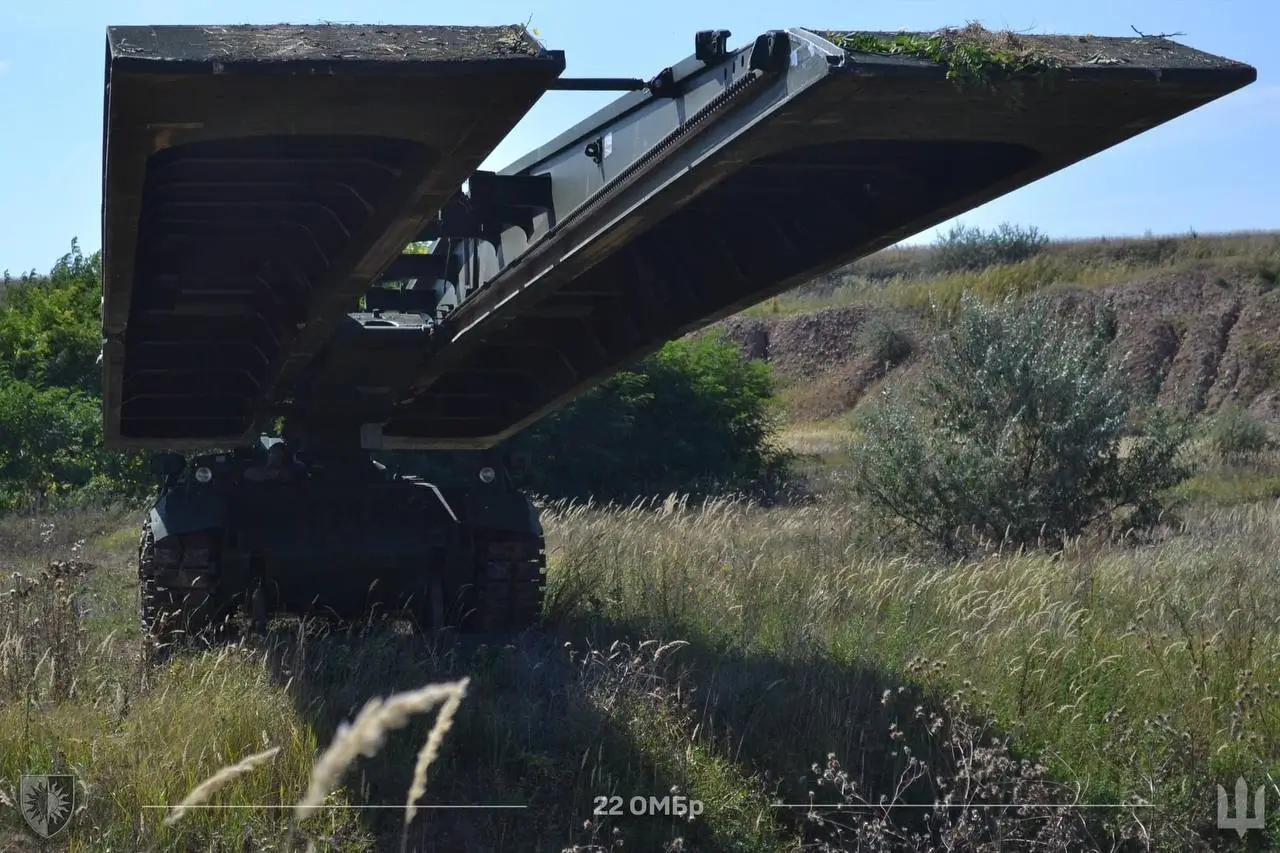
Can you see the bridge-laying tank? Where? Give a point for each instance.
(263, 185)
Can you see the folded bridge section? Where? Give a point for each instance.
(257, 179)
(729, 177)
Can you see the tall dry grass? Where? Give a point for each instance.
(903, 276)
(742, 656)
(1135, 670)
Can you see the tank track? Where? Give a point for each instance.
(510, 584)
(167, 614)
(507, 596)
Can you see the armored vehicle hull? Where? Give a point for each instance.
(232, 533)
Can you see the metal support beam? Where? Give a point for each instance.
(598, 84)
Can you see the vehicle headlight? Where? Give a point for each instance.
(203, 474)
(488, 475)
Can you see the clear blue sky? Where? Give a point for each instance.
(1213, 170)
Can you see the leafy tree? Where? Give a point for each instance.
(694, 416)
(1015, 434)
(48, 439)
(50, 328)
(50, 390)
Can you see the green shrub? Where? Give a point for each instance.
(696, 416)
(884, 342)
(50, 392)
(51, 448)
(964, 249)
(1236, 435)
(1015, 433)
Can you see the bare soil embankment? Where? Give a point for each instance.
(1197, 340)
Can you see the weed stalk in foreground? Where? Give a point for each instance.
(365, 736)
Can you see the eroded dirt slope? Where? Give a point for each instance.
(1196, 340)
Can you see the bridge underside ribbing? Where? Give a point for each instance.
(258, 183)
(257, 180)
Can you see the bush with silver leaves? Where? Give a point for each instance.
(1015, 433)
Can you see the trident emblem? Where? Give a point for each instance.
(1241, 823)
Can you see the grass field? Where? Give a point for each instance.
(733, 654)
(903, 277)
(724, 651)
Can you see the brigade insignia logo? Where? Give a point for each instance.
(47, 802)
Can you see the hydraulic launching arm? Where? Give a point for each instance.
(747, 173)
